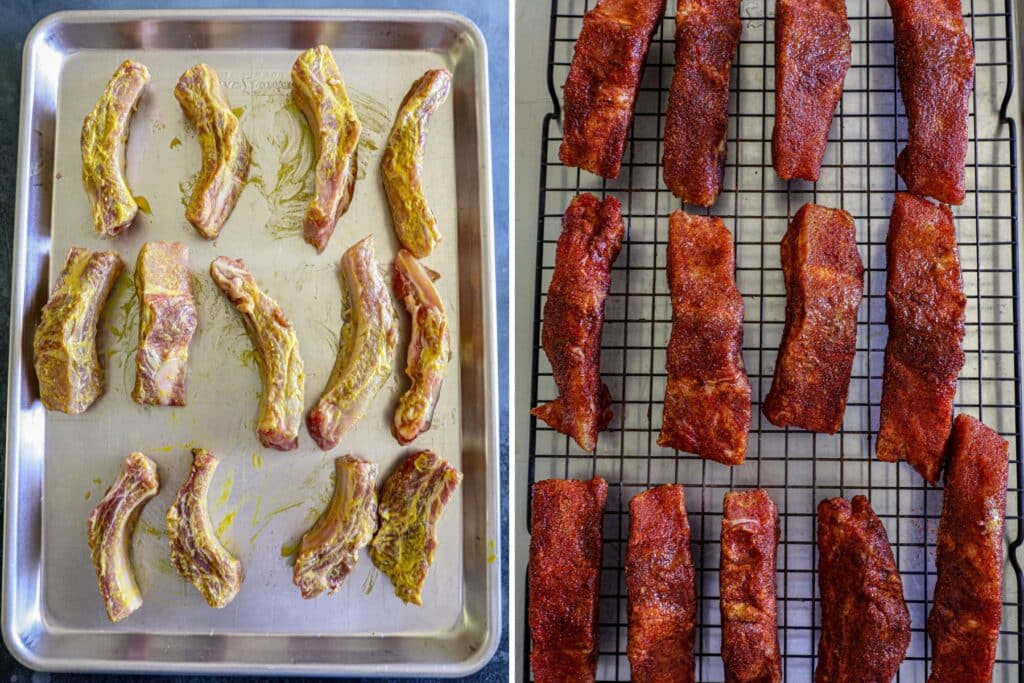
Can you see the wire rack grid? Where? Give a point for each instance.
(797, 468)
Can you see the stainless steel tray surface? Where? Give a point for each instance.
(261, 500)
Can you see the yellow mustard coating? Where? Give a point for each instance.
(402, 163)
(104, 141)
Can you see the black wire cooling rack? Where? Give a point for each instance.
(797, 468)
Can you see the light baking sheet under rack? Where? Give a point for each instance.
(797, 468)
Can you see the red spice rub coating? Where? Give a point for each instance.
(812, 55)
(604, 78)
(697, 120)
(750, 536)
(935, 63)
(925, 314)
(968, 607)
(824, 284)
(707, 396)
(565, 576)
(592, 232)
(865, 625)
(660, 579)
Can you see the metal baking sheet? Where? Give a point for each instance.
(261, 500)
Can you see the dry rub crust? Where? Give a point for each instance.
(707, 396)
(277, 346)
(226, 151)
(925, 312)
(367, 350)
(968, 600)
(319, 92)
(565, 578)
(110, 528)
(604, 78)
(64, 348)
(104, 141)
(196, 552)
(591, 238)
(401, 165)
(661, 582)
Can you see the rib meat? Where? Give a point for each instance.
(104, 141)
(319, 92)
(367, 351)
(697, 120)
(411, 501)
(110, 529)
(226, 151)
(68, 370)
(604, 78)
(196, 552)
(968, 602)
(925, 314)
(750, 536)
(565, 578)
(660, 579)
(935, 63)
(812, 55)
(330, 548)
(707, 396)
(429, 347)
(865, 625)
(401, 165)
(824, 284)
(592, 232)
(277, 349)
(167, 320)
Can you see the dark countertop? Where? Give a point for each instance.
(17, 17)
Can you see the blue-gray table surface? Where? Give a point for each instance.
(17, 17)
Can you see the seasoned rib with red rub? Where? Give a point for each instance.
(565, 578)
(968, 607)
(750, 536)
(707, 397)
(812, 55)
(865, 625)
(592, 233)
(824, 284)
(661, 582)
(600, 92)
(697, 120)
(925, 314)
(935, 63)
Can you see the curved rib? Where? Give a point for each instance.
(110, 528)
(368, 339)
(429, 348)
(277, 347)
(330, 548)
(196, 552)
(67, 367)
(402, 163)
(226, 151)
(319, 92)
(104, 139)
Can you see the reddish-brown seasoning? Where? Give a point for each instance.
(824, 283)
(707, 396)
(591, 237)
(968, 606)
(935, 62)
(925, 314)
(600, 92)
(660, 579)
(750, 536)
(697, 119)
(565, 578)
(865, 625)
